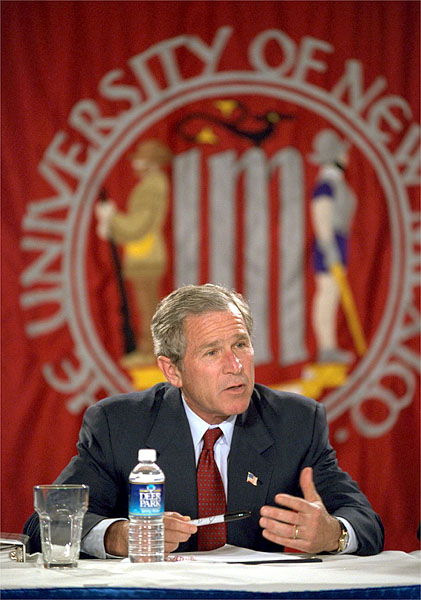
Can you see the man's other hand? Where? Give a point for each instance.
(304, 524)
(177, 529)
(116, 538)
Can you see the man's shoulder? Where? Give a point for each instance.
(136, 400)
(284, 411)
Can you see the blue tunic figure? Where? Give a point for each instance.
(333, 206)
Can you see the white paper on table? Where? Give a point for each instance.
(235, 554)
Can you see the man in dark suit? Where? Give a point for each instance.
(274, 454)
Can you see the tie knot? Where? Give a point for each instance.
(210, 438)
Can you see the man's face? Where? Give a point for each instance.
(217, 375)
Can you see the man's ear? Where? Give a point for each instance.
(170, 371)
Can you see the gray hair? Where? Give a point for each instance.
(167, 324)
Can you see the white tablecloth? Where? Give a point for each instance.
(335, 572)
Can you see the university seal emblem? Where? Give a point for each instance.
(256, 184)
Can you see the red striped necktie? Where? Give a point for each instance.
(210, 494)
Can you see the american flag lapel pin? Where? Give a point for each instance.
(252, 478)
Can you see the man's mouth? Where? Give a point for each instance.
(235, 388)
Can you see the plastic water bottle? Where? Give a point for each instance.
(146, 509)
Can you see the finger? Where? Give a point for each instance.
(170, 547)
(284, 534)
(279, 514)
(297, 544)
(293, 502)
(307, 485)
(176, 515)
(174, 522)
(278, 528)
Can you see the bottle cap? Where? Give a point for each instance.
(146, 454)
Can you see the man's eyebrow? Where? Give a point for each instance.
(243, 337)
(217, 342)
(210, 344)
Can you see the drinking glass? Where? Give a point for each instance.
(61, 509)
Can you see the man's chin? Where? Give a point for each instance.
(237, 399)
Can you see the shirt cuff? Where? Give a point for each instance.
(93, 542)
(353, 542)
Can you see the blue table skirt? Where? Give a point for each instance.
(406, 592)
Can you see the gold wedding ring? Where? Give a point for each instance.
(295, 532)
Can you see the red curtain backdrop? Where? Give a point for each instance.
(240, 92)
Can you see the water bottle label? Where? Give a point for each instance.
(146, 499)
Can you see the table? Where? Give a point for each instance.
(386, 575)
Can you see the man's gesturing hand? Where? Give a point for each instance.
(306, 526)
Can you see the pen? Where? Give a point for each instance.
(234, 516)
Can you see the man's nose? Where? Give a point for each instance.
(232, 363)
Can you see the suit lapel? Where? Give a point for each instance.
(171, 437)
(249, 454)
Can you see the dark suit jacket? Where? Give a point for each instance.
(275, 438)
